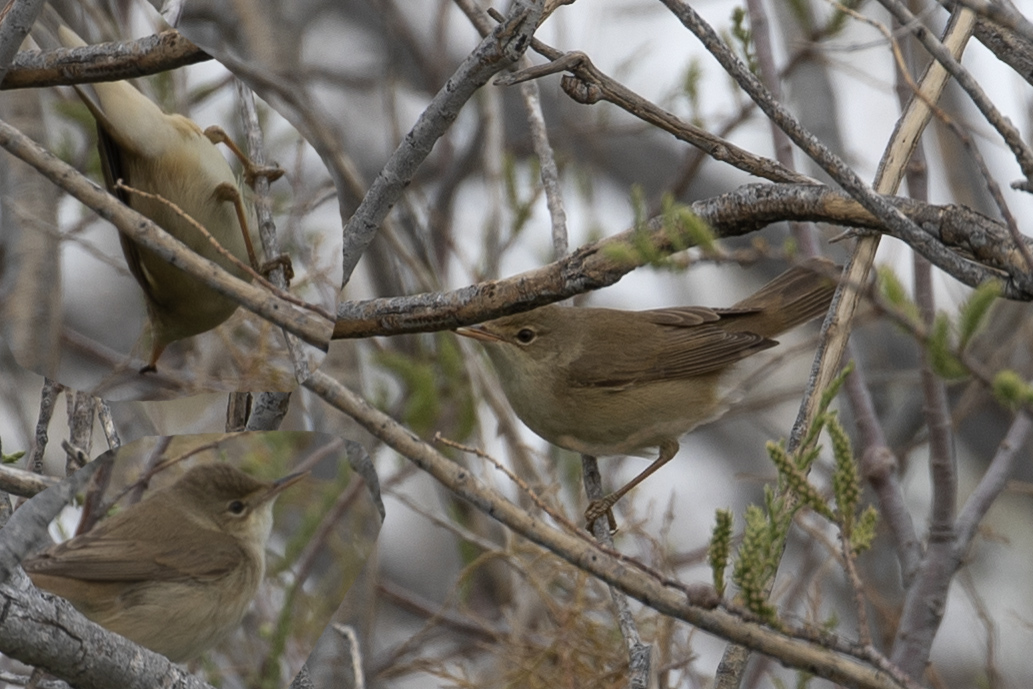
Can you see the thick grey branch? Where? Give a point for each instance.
(1010, 48)
(23, 483)
(16, 18)
(102, 62)
(1002, 14)
(955, 232)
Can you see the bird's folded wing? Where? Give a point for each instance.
(691, 342)
(105, 559)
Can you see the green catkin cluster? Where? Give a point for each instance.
(720, 549)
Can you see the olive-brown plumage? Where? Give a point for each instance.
(176, 571)
(608, 382)
(170, 156)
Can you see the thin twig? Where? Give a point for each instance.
(47, 400)
(639, 654)
(107, 424)
(589, 85)
(549, 172)
(864, 634)
(280, 276)
(519, 482)
(993, 482)
(494, 53)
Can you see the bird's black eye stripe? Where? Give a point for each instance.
(525, 336)
(237, 507)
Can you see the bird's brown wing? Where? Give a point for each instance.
(114, 168)
(99, 558)
(211, 557)
(668, 344)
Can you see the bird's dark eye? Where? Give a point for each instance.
(525, 336)
(237, 507)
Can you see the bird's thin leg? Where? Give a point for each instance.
(604, 505)
(229, 192)
(217, 135)
(152, 365)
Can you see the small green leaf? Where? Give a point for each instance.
(941, 352)
(805, 460)
(1011, 390)
(684, 229)
(975, 309)
(744, 37)
(838, 19)
(692, 78)
(621, 254)
(639, 205)
(691, 86)
(11, 458)
(895, 293)
(833, 389)
(891, 287)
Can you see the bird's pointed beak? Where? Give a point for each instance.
(282, 484)
(478, 332)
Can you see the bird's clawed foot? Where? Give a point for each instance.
(281, 261)
(598, 508)
(252, 171)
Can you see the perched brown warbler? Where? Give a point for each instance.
(609, 382)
